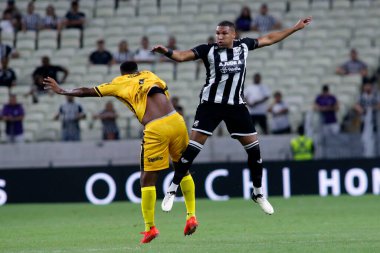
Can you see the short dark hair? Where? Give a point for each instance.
(128, 67)
(301, 130)
(325, 88)
(227, 23)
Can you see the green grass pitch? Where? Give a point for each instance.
(300, 224)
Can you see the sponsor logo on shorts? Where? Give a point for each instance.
(154, 159)
(196, 123)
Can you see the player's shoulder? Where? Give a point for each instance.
(205, 46)
(246, 40)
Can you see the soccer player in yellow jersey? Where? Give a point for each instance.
(165, 134)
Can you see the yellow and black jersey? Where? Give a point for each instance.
(132, 90)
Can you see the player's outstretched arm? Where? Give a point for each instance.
(175, 55)
(274, 37)
(52, 84)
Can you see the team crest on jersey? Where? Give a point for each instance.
(237, 50)
(141, 81)
(196, 123)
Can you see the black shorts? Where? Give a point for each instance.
(236, 117)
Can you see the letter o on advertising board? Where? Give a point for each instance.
(111, 185)
(362, 182)
(3, 194)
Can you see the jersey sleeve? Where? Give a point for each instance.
(106, 89)
(201, 51)
(251, 43)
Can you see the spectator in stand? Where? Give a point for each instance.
(144, 54)
(172, 44)
(13, 115)
(368, 105)
(244, 22)
(353, 66)
(70, 114)
(7, 75)
(256, 96)
(302, 147)
(31, 21)
(51, 21)
(108, 117)
(327, 105)
(280, 115)
(7, 23)
(101, 56)
(123, 54)
(7, 51)
(15, 13)
(45, 70)
(265, 22)
(75, 18)
(176, 105)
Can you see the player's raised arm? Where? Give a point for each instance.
(275, 37)
(175, 55)
(52, 84)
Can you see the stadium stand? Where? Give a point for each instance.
(298, 66)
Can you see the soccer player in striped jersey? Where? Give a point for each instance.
(165, 134)
(221, 98)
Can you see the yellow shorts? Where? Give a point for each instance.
(163, 137)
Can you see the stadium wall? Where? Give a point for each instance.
(127, 152)
(216, 181)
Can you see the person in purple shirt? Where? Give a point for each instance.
(243, 22)
(327, 105)
(13, 115)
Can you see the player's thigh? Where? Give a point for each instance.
(154, 149)
(207, 118)
(179, 137)
(238, 121)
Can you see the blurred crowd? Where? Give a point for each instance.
(269, 109)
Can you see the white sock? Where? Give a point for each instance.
(173, 187)
(257, 190)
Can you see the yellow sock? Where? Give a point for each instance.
(188, 191)
(148, 202)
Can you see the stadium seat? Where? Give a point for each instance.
(209, 8)
(297, 5)
(26, 45)
(360, 43)
(332, 79)
(341, 4)
(70, 38)
(26, 36)
(8, 38)
(98, 69)
(189, 9)
(169, 10)
(361, 3)
(47, 44)
(147, 10)
(126, 11)
(29, 136)
(104, 12)
(320, 5)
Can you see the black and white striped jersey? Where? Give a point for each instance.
(225, 68)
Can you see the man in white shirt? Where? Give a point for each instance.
(144, 54)
(256, 95)
(280, 119)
